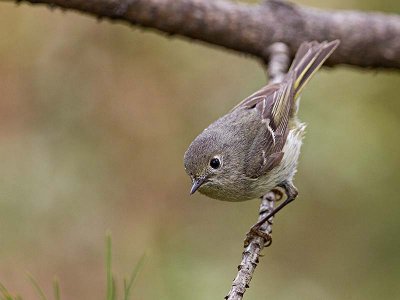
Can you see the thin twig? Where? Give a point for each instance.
(251, 254)
(278, 65)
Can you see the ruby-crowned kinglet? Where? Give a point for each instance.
(255, 147)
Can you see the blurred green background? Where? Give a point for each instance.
(94, 120)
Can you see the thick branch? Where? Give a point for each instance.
(369, 40)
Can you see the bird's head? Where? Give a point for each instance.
(204, 161)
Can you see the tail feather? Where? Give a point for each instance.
(309, 58)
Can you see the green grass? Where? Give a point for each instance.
(128, 283)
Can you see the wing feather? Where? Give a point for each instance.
(275, 106)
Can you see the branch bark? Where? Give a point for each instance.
(278, 65)
(252, 252)
(370, 40)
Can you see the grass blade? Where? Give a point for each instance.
(110, 280)
(56, 289)
(37, 287)
(5, 293)
(132, 280)
(3, 289)
(114, 289)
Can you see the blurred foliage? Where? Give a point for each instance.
(111, 290)
(94, 120)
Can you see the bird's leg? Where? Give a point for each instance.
(263, 233)
(291, 194)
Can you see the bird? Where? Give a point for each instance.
(254, 148)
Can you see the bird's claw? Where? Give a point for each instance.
(256, 231)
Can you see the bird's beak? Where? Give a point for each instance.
(196, 184)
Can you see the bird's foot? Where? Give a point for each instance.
(256, 232)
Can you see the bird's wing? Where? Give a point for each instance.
(273, 104)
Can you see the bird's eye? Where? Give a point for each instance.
(215, 163)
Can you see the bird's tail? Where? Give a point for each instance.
(309, 58)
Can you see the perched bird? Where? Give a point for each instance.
(255, 147)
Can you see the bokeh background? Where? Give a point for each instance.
(94, 120)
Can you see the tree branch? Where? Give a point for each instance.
(277, 68)
(368, 40)
(252, 252)
(278, 62)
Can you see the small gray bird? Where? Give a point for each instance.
(255, 147)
